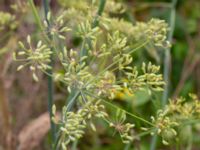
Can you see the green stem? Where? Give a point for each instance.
(37, 19)
(71, 99)
(130, 114)
(74, 146)
(50, 79)
(166, 66)
(154, 142)
(36, 15)
(83, 49)
(127, 147)
(190, 139)
(99, 13)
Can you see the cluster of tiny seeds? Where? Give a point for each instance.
(35, 58)
(183, 109)
(176, 113)
(124, 131)
(73, 124)
(77, 72)
(58, 27)
(7, 20)
(155, 31)
(86, 31)
(115, 7)
(165, 126)
(150, 78)
(106, 85)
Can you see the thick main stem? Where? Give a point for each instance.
(50, 79)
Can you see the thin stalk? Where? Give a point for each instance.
(50, 79)
(189, 144)
(130, 114)
(71, 99)
(116, 107)
(35, 14)
(37, 19)
(83, 50)
(57, 142)
(154, 142)
(166, 66)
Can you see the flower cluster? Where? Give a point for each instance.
(106, 85)
(73, 124)
(124, 129)
(178, 112)
(115, 7)
(36, 58)
(150, 78)
(58, 27)
(184, 109)
(77, 72)
(86, 31)
(164, 126)
(7, 20)
(155, 31)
